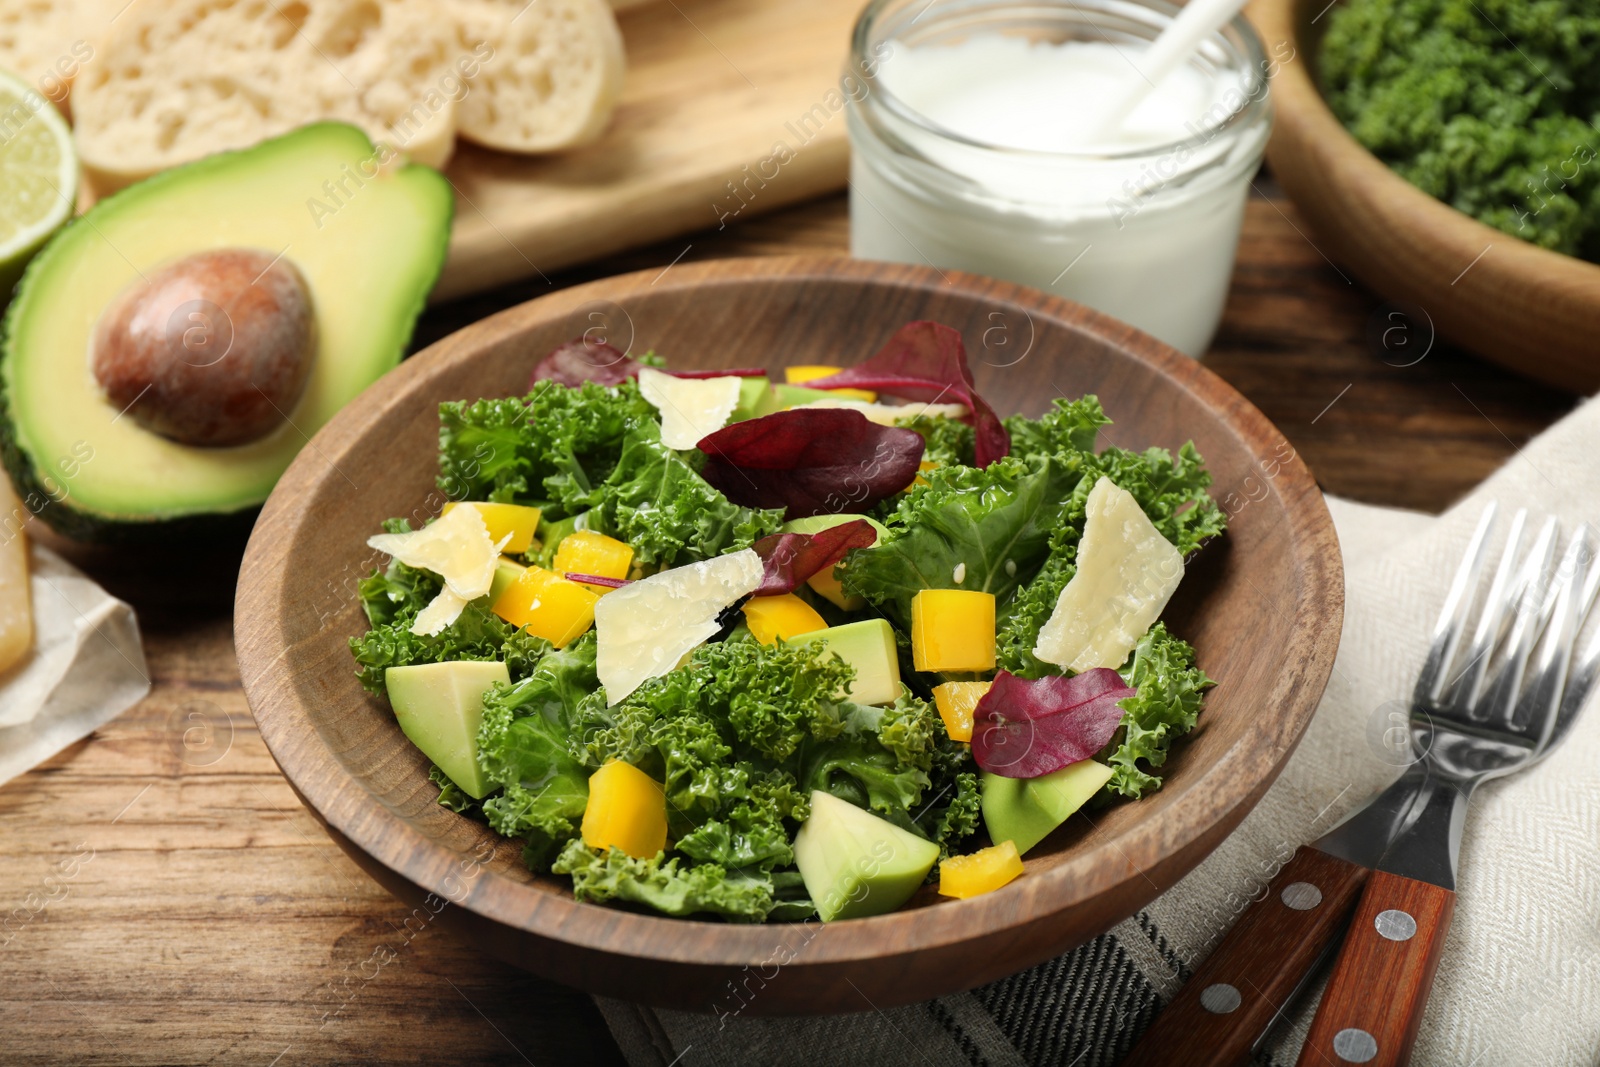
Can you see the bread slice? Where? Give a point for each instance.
(47, 42)
(549, 75)
(179, 79)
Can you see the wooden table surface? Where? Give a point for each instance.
(166, 899)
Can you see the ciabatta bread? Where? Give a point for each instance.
(175, 80)
(550, 73)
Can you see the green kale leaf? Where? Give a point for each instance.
(992, 527)
(664, 885)
(1162, 668)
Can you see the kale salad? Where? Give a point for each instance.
(724, 645)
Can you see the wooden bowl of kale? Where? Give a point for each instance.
(1445, 152)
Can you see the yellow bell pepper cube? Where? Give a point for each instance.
(982, 872)
(812, 371)
(587, 552)
(956, 702)
(547, 605)
(952, 630)
(517, 520)
(785, 616)
(627, 810)
(923, 468)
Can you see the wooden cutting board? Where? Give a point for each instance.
(731, 108)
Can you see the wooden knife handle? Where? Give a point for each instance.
(1380, 984)
(1227, 1005)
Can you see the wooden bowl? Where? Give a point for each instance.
(1526, 308)
(1262, 605)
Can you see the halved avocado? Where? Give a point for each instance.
(369, 241)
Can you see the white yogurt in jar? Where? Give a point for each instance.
(974, 154)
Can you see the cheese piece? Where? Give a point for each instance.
(887, 414)
(16, 605)
(691, 408)
(643, 629)
(1126, 574)
(455, 546)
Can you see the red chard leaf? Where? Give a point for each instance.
(581, 360)
(927, 361)
(595, 579)
(811, 461)
(790, 558)
(1023, 728)
(731, 372)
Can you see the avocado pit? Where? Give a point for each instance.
(212, 350)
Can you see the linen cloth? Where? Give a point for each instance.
(87, 666)
(1519, 981)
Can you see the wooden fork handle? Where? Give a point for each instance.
(1380, 984)
(1228, 1004)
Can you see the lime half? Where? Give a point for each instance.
(38, 176)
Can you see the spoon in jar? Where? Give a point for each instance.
(1198, 20)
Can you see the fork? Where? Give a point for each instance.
(1397, 853)
(1465, 730)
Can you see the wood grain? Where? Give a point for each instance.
(1524, 307)
(1380, 985)
(1261, 960)
(731, 109)
(1269, 593)
(88, 984)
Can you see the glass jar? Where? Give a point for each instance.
(1146, 234)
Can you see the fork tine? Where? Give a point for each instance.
(1527, 610)
(1467, 687)
(1538, 708)
(1453, 616)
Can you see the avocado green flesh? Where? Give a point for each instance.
(506, 571)
(869, 647)
(1025, 810)
(369, 265)
(782, 395)
(751, 390)
(855, 864)
(439, 707)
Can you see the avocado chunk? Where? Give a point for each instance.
(783, 395)
(825, 583)
(367, 267)
(855, 864)
(439, 706)
(506, 571)
(1025, 810)
(751, 391)
(869, 647)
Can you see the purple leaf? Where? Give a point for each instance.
(926, 361)
(790, 558)
(811, 461)
(595, 579)
(581, 360)
(1022, 728)
(731, 372)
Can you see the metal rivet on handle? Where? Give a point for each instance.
(1354, 1046)
(1219, 998)
(1301, 896)
(1396, 925)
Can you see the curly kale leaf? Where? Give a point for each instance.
(990, 527)
(665, 885)
(478, 634)
(1487, 105)
(523, 747)
(949, 442)
(657, 502)
(1162, 668)
(551, 447)
(1069, 426)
